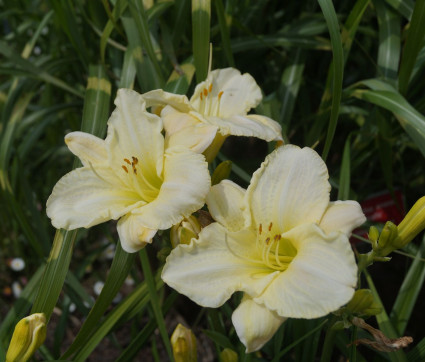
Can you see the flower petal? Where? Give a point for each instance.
(240, 92)
(186, 184)
(158, 97)
(133, 132)
(343, 216)
(255, 325)
(83, 198)
(290, 188)
(250, 126)
(132, 234)
(208, 270)
(320, 279)
(225, 204)
(88, 148)
(175, 120)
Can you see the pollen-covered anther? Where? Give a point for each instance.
(124, 168)
(220, 94)
(260, 229)
(205, 92)
(270, 226)
(210, 88)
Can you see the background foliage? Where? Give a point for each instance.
(347, 81)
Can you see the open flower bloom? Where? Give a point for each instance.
(217, 109)
(281, 242)
(129, 176)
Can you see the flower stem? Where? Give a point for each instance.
(329, 341)
(150, 281)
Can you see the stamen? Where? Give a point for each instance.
(270, 226)
(201, 97)
(220, 94)
(260, 229)
(125, 168)
(135, 160)
(205, 92)
(210, 88)
(127, 161)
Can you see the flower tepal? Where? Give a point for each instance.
(130, 176)
(281, 242)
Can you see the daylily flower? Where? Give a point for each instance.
(129, 176)
(217, 109)
(281, 242)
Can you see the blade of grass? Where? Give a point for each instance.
(413, 45)
(409, 292)
(201, 17)
(153, 296)
(345, 173)
(224, 31)
(404, 7)
(337, 70)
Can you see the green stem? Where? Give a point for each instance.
(150, 281)
(328, 345)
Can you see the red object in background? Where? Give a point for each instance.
(381, 207)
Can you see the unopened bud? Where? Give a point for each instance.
(184, 232)
(228, 355)
(221, 172)
(28, 336)
(373, 236)
(363, 304)
(412, 224)
(183, 342)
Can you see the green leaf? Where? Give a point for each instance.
(409, 292)
(413, 45)
(384, 95)
(337, 70)
(404, 7)
(224, 31)
(389, 41)
(384, 322)
(345, 173)
(120, 268)
(201, 17)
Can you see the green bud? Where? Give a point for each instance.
(221, 172)
(373, 236)
(228, 355)
(412, 224)
(28, 336)
(183, 342)
(363, 303)
(214, 147)
(184, 232)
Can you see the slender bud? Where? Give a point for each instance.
(363, 304)
(412, 224)
(221, 172)
(29, 335)
(183, 342)
(228, 355)
(184, 232)
(373, 236)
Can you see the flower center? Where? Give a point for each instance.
(210, 101)
(277, 252)
(144, 181)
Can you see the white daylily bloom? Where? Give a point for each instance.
(217, 109)
(281, 242)
(129, 176)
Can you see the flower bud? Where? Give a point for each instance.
(412, 224)
(28, 336)
(183, 342)
(184, 232)
(221, 172)
(228, 355)
(363, 303)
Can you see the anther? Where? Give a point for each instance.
(135, 160)
(205, 92)
(260, 229)
(220, 94)
(125, 168)
(210, 88)
(127, 161)
(270, 226)
(267, 241)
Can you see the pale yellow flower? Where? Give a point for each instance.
(281, 242)
(129, 176)
(217, 109)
